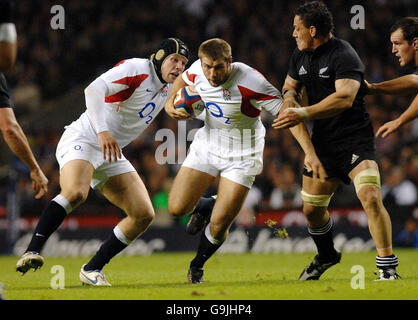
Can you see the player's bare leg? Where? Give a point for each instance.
(379, 221)
(230, 198)
(380, 226)
(75, 178)
(75, 181)
(316, 196)
(128, 192)
(190, 181)
(188, 187)
(317, 215)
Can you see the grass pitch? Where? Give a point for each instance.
(162, 276)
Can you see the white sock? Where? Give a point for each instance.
(63, 202)
(119, 234)
(209, 236)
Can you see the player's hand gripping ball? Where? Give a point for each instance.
(188, 101)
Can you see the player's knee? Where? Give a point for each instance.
(176, 209)
(370, 198)
(75, 197)
(315, 206)
(220, 226)
(312, 213)
(316, 201)
(308, 209)
(141, 217)
(219, 231)
(148, 217)
(367, 180)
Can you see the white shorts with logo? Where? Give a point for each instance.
(239, 170)
(74, 146)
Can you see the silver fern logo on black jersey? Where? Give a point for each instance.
(322, 73)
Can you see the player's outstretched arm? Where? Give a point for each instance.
(312, 162)
(290, 101)
(18, 143)
(169, 105)
(403, 85)
(391, 126)
(342, 99)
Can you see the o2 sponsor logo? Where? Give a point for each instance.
(146, 111)
(217, 112)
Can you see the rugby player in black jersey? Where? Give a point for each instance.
(333, 75)
(9, 126)
(404, 38)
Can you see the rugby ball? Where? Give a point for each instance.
(188, 101)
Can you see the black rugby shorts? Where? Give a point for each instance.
(339, 159)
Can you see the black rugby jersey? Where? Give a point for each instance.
(5, 101)
(318, 70)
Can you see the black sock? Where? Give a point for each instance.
(50, 220)
(322, 236)
(205, 206)
(205, 250)
(109, 248)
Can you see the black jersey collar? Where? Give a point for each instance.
(325, 46)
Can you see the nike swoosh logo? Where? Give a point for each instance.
(64, 154)
(91, 280)
(148, 90)
(39, 235)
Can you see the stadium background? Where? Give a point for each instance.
(54, 66)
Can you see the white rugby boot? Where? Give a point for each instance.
(28, 261)
(93, 278)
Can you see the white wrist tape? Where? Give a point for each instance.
(8, 32)
(290, 94)
(302, 112)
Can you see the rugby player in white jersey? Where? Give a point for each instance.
(121, 103)
(230, 144)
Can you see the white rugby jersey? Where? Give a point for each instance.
(232, 115)
(134, 84)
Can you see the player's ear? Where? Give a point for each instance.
(312, 32)
(415, 43)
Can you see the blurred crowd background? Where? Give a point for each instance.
(54, 66)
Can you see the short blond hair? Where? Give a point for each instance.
(215, 48)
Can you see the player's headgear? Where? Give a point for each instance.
(165, 49)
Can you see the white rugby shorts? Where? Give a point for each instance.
(73, 146)
(241, 170)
